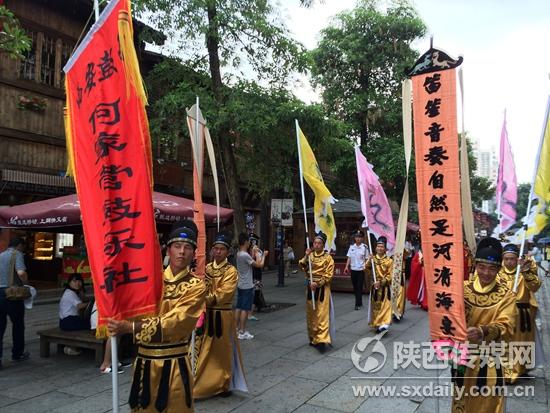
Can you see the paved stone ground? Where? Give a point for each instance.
(283, 372)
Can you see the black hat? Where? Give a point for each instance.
(489, 250)
(358, 233)
(382, 240)
(223, 238)
(510, 249)
(321, 235)
(186, 232)
(253, 237)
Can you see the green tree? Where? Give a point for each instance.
(260, 121)
(232, 35)
(523, 197)
(13, 39)
(359, 65)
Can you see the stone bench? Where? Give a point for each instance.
(79, 338)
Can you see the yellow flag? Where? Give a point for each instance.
(324, 218)
(540, 214)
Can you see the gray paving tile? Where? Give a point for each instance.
(339, 395)
(43, 403)
(327, 369)
(286, 396)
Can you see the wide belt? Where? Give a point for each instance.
(162, 352)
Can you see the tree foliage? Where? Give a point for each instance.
(235, 36)
(359, 65)
(250, 35)
(260, 122)
(13, 39)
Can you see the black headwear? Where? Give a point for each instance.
(223, 238)
(185, 232)
(322, 236)
(359, 233)
(382, 240)
(489, 250)
(510, 249)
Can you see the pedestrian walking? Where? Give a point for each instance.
(357, 254)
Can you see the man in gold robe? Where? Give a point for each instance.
(322, 270)
(163, 381)
(526, 303)
(490, 318)
(380, 295)
(217, 345)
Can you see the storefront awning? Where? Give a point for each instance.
(64, 211)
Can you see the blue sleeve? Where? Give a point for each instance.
(19, 262)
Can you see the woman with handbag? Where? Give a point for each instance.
(13, 276)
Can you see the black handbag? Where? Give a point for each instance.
(16, 290)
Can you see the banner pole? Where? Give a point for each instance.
(304, 208)
(531, 193)
(194, 333)
(114, 372)
(96, 10)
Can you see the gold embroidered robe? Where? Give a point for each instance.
(492, 307)
(215, 347)
(162, 374)
(526, 303)
(380, 299)
(318, 320)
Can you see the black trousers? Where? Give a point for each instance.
(357, 279)
(15, 310)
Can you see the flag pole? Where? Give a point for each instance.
(500, 172)
(114, 346)
(96, 10)
(194, 334)
(304, 208)
(531, 193)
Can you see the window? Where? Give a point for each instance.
(27, 67)
(44, 62)
(47, 66)
(62, 241)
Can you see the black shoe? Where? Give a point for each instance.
(225, 394)
(321, 347)
(357, 308)
(25, 356)
(125, 363)
(396, 319)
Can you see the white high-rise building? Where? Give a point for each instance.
(487, 166)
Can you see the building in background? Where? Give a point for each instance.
(487, 167)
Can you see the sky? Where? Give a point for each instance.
(505, 45)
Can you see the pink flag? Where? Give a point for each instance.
(507, 191)
(374, 203)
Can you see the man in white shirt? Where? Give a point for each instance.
(357, 255)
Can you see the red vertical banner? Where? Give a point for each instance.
(438, 189)
(110, 157)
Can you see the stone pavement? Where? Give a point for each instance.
(284, 373)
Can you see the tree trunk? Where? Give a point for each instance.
(223, 139)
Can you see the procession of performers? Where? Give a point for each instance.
(166, 380)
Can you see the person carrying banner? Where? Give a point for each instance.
(490, 317)
(381, 290)
(526, 302)
(163, 381)
(357, 255)
(217, 346)
(322, 269)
